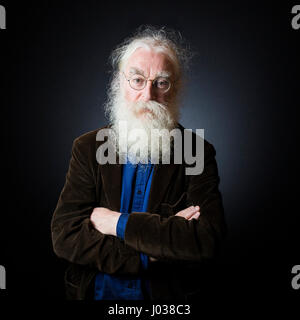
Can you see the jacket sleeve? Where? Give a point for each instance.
(174, 237)
(73, 236)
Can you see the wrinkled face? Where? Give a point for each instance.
(152, 65)
(141, 105)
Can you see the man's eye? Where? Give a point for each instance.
(137, 82)
(162, 84)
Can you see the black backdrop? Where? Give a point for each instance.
(243, 90)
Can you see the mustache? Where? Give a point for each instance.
(151, 105)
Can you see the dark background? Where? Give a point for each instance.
(243, 90)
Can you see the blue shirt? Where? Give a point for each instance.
(136, 183)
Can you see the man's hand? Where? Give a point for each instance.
(105, 220)
(192, 212)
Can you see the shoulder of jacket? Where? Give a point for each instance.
(88, 137)
(208, 147)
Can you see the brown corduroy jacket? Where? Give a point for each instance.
(182, 247)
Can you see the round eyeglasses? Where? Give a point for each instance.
(138, 82)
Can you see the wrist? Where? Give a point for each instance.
(116, 216)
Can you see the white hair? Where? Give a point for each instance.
(163, 40)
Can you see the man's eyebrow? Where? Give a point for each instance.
(134, 70)
(164, 74)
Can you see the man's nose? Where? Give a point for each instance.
(148, 92)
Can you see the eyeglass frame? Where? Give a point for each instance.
(146, 80)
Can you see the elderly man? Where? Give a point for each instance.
(138, 229)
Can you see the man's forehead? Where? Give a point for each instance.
(142, 61)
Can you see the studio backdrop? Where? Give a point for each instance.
(242, 89)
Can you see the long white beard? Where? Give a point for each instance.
(158, 116)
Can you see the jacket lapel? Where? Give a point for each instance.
(161, 179)
(111, 175)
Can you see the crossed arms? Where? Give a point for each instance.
(84, 234)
